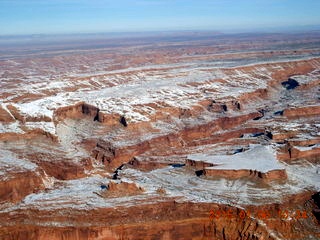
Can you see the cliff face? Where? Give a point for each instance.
(302, 112)
(112, 157)
(176, 221)
(76, 111)
(20, 185)
(278, 174)
(214, 143)
(5, 116)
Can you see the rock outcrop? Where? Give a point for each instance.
(189, 137)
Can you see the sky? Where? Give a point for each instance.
(94, 16)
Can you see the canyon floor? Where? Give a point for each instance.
(165, 136)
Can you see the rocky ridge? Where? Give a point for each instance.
(187, 134)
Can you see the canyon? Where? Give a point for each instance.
(177, 136)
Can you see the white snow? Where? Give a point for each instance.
(307, 148)
(260, 158)
(46, 126)
(10, 128)
(10, 162)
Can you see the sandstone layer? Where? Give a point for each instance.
(205, 136)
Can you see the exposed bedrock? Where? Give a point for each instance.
(122, 186)
(76, 111)
(297, 153)
(120, 189)
(193, 229)
(302, 112)
(277, 174)
(64, 170)
(142, 117)
(289, 152)
(26, 118)
(113, 157)
(170, 220)
(146, 165)
(257, 162)
(15, 113)
(294, 68)
(225, 135)
(5, 116)
(30, 134)
(281, 136)
(198, 165)
(260, 93)
(82, 109)
(61, 167)
(20, 184)
(218, 106)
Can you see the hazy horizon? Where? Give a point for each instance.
(18, 17)
(125, 34)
